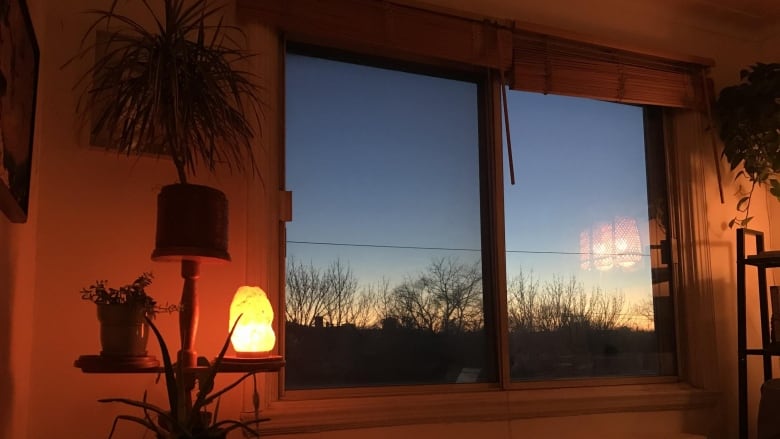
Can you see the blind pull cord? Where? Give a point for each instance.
(506, 118)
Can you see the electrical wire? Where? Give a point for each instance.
(412, 247)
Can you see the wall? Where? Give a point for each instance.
(17, 284)
(92, 217)
(17, 274)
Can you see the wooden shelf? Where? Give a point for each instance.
(762, 260)
(100, 364)
(765, 259)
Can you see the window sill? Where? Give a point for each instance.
(306, 416)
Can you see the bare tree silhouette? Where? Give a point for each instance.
(561, 303)
(447, 297)
(557, 326)
(644, 310)
(306, 297)
(522, 296)
(330, 295)
(340, 288)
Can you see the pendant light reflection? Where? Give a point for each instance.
(607, 245)
(254, 335)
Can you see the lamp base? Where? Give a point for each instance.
(269, 363)
(253, 354)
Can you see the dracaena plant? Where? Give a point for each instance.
(185, 417)
(174, 87)
(749, 125)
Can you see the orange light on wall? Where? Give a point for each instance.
(607, 245)
(254, 335)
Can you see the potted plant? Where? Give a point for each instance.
(185, 417)
(175, 88)
(123, 313)
(748, 116)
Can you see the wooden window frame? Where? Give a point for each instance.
(309, 411)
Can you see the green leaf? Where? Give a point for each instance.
(170, 377)
(207, 385)
(137, 420)
(743, 203)
(145, 405)
(208, 399)
(775, 189)
(732, 222)
(245, 426)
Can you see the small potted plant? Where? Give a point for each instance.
(122, 313)
(748, 116)
(186, 417)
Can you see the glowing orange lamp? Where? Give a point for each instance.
(254, 336)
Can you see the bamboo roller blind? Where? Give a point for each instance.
(547, 64)
(535, 61)
(383, 28)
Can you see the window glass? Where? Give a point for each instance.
(383, 270)
(588, 285)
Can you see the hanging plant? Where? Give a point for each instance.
(749, 125)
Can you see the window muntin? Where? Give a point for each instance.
(384, 276)
(588, 294)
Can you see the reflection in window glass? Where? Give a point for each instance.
(384, 276)
(587, 287)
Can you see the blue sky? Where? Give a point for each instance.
(578, 162)
(405, 173)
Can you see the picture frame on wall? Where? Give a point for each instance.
(19, 58)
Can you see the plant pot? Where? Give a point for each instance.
(123, 330)
(192, 224)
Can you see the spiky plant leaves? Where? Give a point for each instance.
(170, 87)
(170, 375)
(134, 419)
(184, 419)
(206, 386)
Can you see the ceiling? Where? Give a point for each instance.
(765, 10)
(754, 20)
(750, 19)
(760, 15)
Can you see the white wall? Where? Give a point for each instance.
(92, 217)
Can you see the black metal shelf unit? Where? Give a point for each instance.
(761, 260)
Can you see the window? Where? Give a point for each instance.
(384, 277)
(387, 279)
(588, 291)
